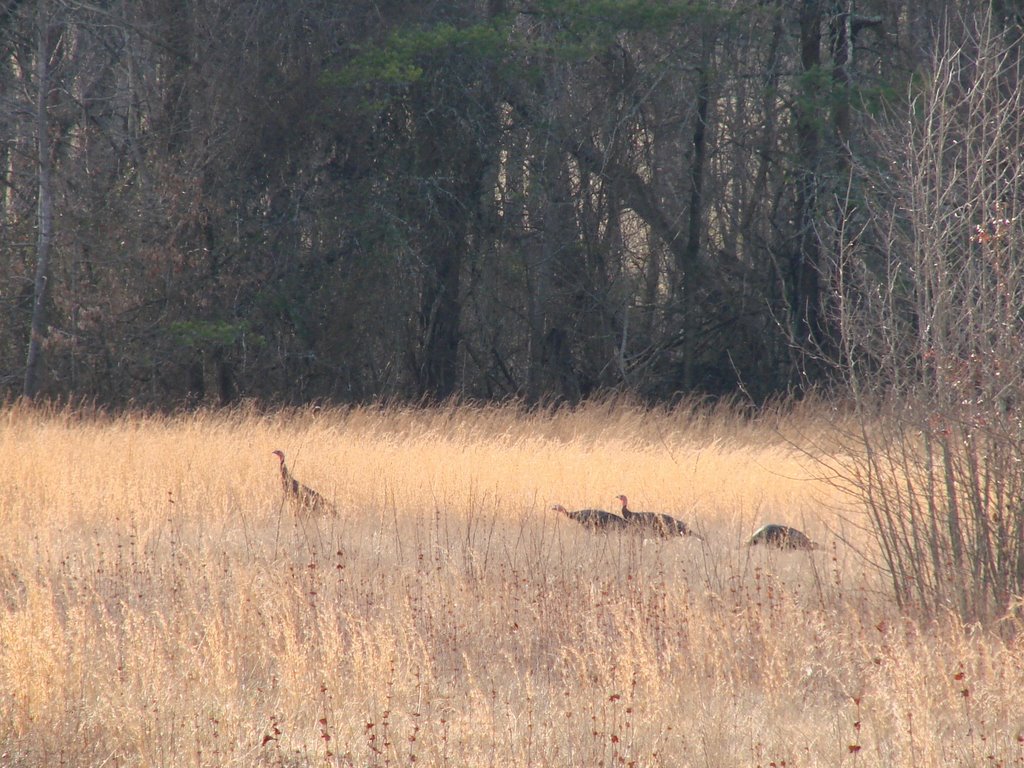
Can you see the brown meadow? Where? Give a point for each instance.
(161, 606)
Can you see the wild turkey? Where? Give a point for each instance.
(595, 519)
(655, 522)
(305, 498)
(781, 537)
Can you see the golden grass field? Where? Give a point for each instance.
(161, 606)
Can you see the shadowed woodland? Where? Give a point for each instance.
(296, 201)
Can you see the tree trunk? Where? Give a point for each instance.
(549, 311)
(45, 204)
(440, 313)
(805, 287)
(691, 252)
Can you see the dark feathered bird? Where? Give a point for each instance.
(781, 537)
(596, 519)
(305, 498)
(655, 522)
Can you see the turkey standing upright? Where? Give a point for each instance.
(305, 498)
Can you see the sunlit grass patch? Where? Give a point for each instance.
(161, 605)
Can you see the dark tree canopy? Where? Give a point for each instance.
(294, 200)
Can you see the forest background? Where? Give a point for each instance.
(300, 201)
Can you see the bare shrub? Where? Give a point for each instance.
(928, 291)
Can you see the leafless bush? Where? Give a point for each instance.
(928, 293)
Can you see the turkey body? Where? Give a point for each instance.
(781, 537)
(305, 499)
(595, 519)
(654, 522)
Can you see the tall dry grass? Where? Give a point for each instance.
(160, 606)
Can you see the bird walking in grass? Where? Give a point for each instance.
(594, 519)
(655, 522)
(781, 537)
(306, 500)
